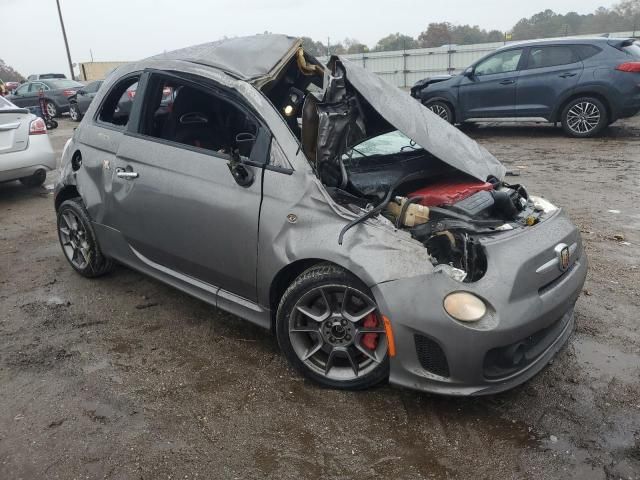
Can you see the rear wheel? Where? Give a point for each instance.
(52, 110)
(78, 240)
(35, 180)
(74, 113)
(442, 109)
(330, 329)
(584, 117)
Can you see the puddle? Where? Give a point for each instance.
(604, 362)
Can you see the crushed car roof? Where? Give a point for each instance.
(246, 58)
(421, 125)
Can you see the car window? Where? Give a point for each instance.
(179, 112)
(386, 144)
(63, 83)
(117, 105)
(22, 89)
(51, 75)
(37, 86)
(551, 56)
(586, 51)
(502, 62)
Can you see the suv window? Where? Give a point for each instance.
(116, 107)
(632, 49)
(502, 62)
(541, 57)
(586, 51)
(179, 112)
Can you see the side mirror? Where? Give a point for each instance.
(245, 142)
(468, 72)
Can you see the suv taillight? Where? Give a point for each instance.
(37, 127)
(629, 67)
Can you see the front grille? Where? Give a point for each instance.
(503, 361)
(431, 356)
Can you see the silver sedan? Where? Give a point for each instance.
(25, 150)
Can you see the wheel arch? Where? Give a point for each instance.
(557, 115)
(285, 277)
(67, 192)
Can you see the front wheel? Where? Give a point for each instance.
(74, 112)
(443, 110)
(584, 117)
(78, 240)
(329, 328)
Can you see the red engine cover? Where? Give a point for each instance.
(449, 192)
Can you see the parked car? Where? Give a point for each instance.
(56, 93)
(80, 101)
(583, 83)
(45, 76)
(375, 239)
(25, 150)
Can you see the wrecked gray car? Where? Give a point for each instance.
(376, 240)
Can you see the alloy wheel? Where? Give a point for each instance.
(440, 110)
(337, 332)
(51, 109)
(583, 117)
(73, 112)
(73, 237)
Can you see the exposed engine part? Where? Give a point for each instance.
(449, 192)
(475, 205)
(408, 213)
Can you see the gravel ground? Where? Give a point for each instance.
(123, 377)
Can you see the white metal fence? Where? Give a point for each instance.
(403, 68)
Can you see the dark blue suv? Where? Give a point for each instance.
(585, 84)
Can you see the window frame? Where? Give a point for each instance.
(571, 47)
(209, 87)
(111, 126)
(517, 68)
(25, 86)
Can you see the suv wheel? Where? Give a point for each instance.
(442, 109)
(584, 117)
(34, 180)
(330, 329)
(78, 240)
(74, 113)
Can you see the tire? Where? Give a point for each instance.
(78, 240)
(52, 110)
(35, 180)
(443, 110)
(339, 350)
(584, 117)
(74, 112)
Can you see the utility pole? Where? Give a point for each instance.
(328, 46)
(66, 43)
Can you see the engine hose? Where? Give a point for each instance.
(405, 207)
(378, 208)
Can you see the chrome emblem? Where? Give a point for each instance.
(562, 250)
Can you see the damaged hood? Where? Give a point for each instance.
(417, 122)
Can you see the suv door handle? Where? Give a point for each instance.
(507, 82)
(129, 175)
(568, 74)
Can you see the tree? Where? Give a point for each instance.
(351, 45)
(395, 41)
(317, 49)
(628, 8)
(436, 35)
(8, 74)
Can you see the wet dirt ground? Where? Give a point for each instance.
(123, 377)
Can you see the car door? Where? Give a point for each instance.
(550, 74)
(22, 97)
(488, 90)
(174, 198)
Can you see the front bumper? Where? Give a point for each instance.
(530, 317)
(38, 155)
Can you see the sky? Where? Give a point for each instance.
(125, 30)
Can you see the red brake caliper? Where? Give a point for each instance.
(370, 340)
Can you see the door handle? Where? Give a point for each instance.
(127, 174)
(568, 74)
(507, 82)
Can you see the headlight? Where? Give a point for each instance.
(465, 307)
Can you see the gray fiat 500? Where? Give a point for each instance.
(376, 240)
